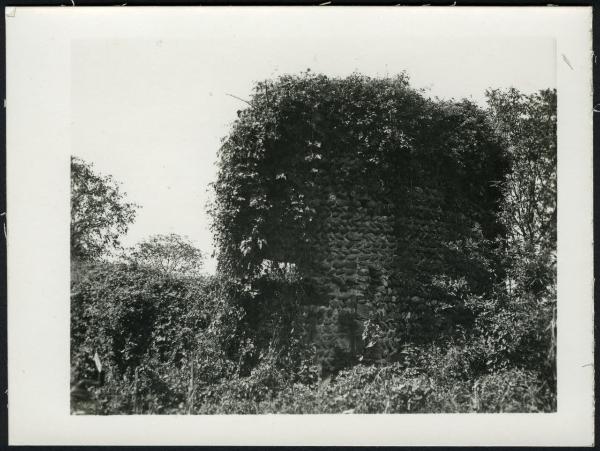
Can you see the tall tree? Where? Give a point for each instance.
(100, 213)
(528, 125)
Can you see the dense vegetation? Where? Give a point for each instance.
(174, 340)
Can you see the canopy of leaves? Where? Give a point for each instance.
(99, 212)
(306, 137)
(171, 254)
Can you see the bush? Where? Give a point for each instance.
(380, 389)
(514, 390)
(157, 336)
(515, 332)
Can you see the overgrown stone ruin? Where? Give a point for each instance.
(378, 256)
(385, 202)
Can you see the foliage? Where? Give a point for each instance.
(382, 389)
(171, 254)
(528, 125)
(288, 151)
(517, 332)
(152, 331)
(172, 346)
(99, 212)
(173, 341)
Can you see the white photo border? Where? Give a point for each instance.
(38, 71)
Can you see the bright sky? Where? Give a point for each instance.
(152, 112)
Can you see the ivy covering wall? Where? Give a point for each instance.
(380, 203)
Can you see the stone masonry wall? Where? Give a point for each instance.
(359, 234)
(374, 253)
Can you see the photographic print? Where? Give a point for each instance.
(312, 221)
(383, 228)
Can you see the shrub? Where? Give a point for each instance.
(515, 332)
(384, 389)
(157, 336)
(514, 390)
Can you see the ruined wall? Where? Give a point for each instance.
(376, 254)
(354, 273)
(370, 192)
(381, 249)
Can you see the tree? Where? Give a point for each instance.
(171, 254)
(527, 123)
(99, 212)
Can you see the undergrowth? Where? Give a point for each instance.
(192, 352)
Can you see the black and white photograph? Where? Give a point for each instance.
(341, 216)
(378, 248)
